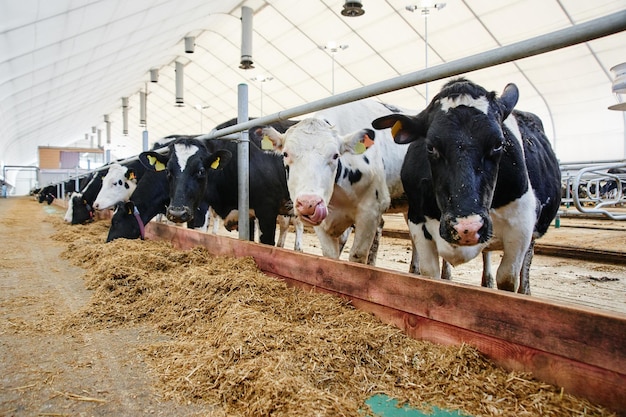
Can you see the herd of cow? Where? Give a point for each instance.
(477, 174)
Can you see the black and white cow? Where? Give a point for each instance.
(80, 205)
(340, 175)
(190, 167)
(151, 197)
(47, 194)
(479, 175)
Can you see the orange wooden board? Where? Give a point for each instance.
(580, 349)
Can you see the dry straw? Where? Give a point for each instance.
(251, 346)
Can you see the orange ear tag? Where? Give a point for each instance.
(266, 143)
(215, 163)
(359, 148)
(397, 126)
(367, 141)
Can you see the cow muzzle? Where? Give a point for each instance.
(179, 214)
(465, 231)
(311, 209)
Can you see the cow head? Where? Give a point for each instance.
(117, 185)
(311, 150)
(187, 165)
(124, 223)
(81, 212)
(462, 133)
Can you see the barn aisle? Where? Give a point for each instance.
(45, 370)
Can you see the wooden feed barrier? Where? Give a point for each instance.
(580, 349)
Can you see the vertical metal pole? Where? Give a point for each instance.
(243, 160)
(145, 140)
(426, 53)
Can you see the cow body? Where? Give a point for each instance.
(341, 176)
(479, 176)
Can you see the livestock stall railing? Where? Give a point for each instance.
(595, 188)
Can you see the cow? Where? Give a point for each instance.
(80, 205)
(151, 197)
(48, 194)
(340, 175)
(479, 176)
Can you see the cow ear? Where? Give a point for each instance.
(271, 139)
(404, 129)
(219, 159)
(508, 99)
(153, 160)
(130, 174)
(359, 142)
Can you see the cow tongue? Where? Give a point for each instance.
(319, 215)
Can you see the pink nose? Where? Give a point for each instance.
(311, 208)
(306, 204)
(468, 229)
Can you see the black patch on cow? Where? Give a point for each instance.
(354, 176)
(366, 159)
(339, 170)
(427, 235)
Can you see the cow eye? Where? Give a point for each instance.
(201, 173)
(285, 155)
(335, 156)
(432, 151)
(497, 149)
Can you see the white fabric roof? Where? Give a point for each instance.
(64, 64)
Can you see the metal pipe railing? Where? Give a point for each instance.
(580, 33)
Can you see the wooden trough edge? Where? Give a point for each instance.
(582, 350)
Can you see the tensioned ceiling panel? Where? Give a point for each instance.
(64, 64)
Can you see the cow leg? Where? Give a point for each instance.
(487, 279)
(343, 239)
(299, 228)
(426, 261)
(446, 272)
(283, 228)
(524, 287)
(330, 245)
(371, 257)
(267, 227)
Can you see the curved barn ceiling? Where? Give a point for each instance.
(65, 64)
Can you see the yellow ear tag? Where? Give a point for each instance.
(132, 176)
(266, 143)
(397, 126)
(215, 163)
(158, 166)
(359, 148)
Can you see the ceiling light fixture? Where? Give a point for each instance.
(352, 9)
(425, 6)
(332, 47)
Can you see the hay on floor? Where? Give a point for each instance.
(252, 346)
